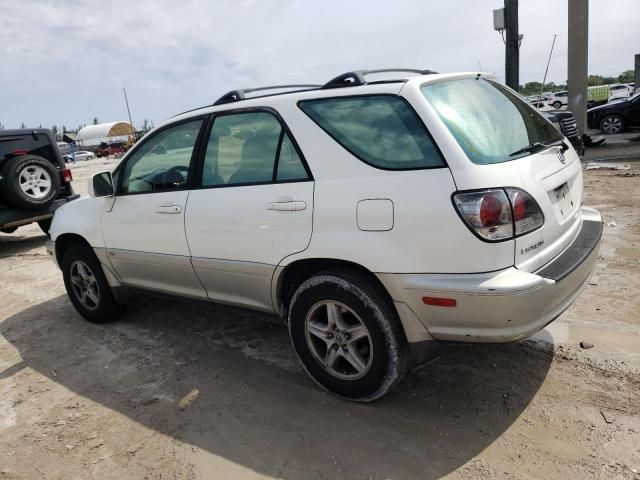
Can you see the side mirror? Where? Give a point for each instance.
(101, 185)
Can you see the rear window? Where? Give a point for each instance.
(488, 121)
(381, 130)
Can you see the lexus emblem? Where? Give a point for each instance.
(561, 157)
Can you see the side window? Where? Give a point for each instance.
(380, 130)
(162, 162)
(243, 147)
(290, 165)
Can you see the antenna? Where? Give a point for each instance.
(133, 132)
(547, 69)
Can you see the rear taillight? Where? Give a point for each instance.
(527, 215)
(66, 175)
(499, 214)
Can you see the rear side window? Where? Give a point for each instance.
(380, 130)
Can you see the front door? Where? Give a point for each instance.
(251, 207)
(144, 230)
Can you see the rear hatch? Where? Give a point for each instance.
(506, 143)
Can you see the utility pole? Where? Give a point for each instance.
(578, 60)
(637, 74)
(512, 57)
(133, 130)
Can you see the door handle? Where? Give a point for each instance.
(292, 206)
(171, 209)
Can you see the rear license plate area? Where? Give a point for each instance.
(562, 200)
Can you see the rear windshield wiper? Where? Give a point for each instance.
(531, 148)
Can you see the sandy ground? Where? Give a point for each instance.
(180, 389)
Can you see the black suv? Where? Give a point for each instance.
(564, 121)
(34, 181)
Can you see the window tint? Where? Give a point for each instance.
(488, 121)
(242, 149)
(162, 162)
(381, 130)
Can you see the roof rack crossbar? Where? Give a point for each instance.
(355, 78)
(237, 95)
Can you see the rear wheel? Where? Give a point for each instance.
(612, 124)
(30, 182)
(557, 105)
(347, 336)
(87, 286)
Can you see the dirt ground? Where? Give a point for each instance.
(186, 390)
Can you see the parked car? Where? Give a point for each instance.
(375, 218)
(615, 116)
(80, 155)
(565, 121)
(620, 91)
(106, 149)
(34, 180)
(558, 99)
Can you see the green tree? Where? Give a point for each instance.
(54, 131)
(95, 120)
(628, 76)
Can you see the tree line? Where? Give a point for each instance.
(533, 88)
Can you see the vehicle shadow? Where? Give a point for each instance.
(20, 241)
(257, 408)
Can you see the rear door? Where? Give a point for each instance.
(494, 126)
(251, 207)
(144, 230)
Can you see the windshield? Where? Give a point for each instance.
(489, 121)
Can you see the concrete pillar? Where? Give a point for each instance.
(578, 61)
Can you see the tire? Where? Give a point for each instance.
(45, 225)
(82, 272)
(612, 123)
(557, 105)
(30, 182)
(381, 353)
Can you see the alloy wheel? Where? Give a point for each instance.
(85, 285)
(339, 340)
(35, 182)
(612, 124)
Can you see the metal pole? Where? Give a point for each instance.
(637, 73)
(512, 57)
(546, 70)
(133, 132)
(578, 61)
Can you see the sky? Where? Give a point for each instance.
(66, 62)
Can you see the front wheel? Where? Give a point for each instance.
(612, 124)
(557, 105)
(347, 336)
(87, 286)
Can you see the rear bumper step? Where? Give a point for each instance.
(581, 248)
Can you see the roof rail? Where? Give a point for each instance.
(355, 78)
(237, 95)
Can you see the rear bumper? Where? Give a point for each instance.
(15, 217)
(505, 305)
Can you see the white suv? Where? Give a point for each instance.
(558, 99)
(374, 217)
